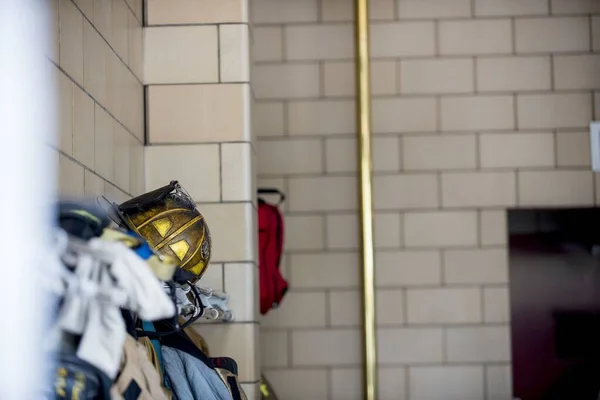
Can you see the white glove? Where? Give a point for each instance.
(115, 278)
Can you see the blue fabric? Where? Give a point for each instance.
(143, 250)
(191, 379)
(149, 327)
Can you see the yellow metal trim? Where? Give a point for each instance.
(196, 250)
(178, 231)
(363, 112)
(180, 248)
(160, 215)
(264, 389)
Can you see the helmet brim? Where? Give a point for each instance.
(113, 212)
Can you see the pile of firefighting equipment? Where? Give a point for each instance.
(124, 299)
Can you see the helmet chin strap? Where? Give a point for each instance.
(171, 289)
(193, 302)
(193, 310)
(185, 308)
(182, 276)
(206, 304)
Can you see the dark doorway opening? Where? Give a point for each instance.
(555, 303)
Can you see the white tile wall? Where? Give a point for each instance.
(477, 106)
(196, 65)
(96, 135)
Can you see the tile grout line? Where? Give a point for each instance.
(329, 373)
(388, 249)
(401, 146)
(223, 277)
(86, 168)
(515, 101)
(513, 35)
(94, 99)
(591, 26)
(391, 326)
(484, 383)
(146, 105)
(59, 33)
(401, 233)
(219, 64)
(72, 107)
(440, 188)
(374, 21)
(404, 306)
(407, 381)
(283, 42)
(324, 227)
(327, 311)
(319, 4)
(478, 161)
(95, 161)
(437, 41)
(482, 304)
(108, 44)
(289, 336)
(144, 6)
(517, 181)
(444, 345)
(144, 13)
(438, 114)
(479, 229)
(212, 83)
(594, 105)
(595, 187)
(398, 77)
(323, 141)
(406, 96)
(321, 77)
(552, 73)
(555, 143)
(475, 75)
(220, 152)
(424, 57)
(442, 258)
(286, 118)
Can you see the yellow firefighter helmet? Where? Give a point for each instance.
(167, 218)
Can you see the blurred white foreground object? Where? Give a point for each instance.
(28, 181)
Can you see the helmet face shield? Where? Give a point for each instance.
(167, 218)
(173, 191)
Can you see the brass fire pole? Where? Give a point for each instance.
(363, 111)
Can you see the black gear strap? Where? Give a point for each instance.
(82, 219)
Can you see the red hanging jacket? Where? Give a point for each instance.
(270, 243)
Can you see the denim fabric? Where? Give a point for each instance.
(191, 379)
